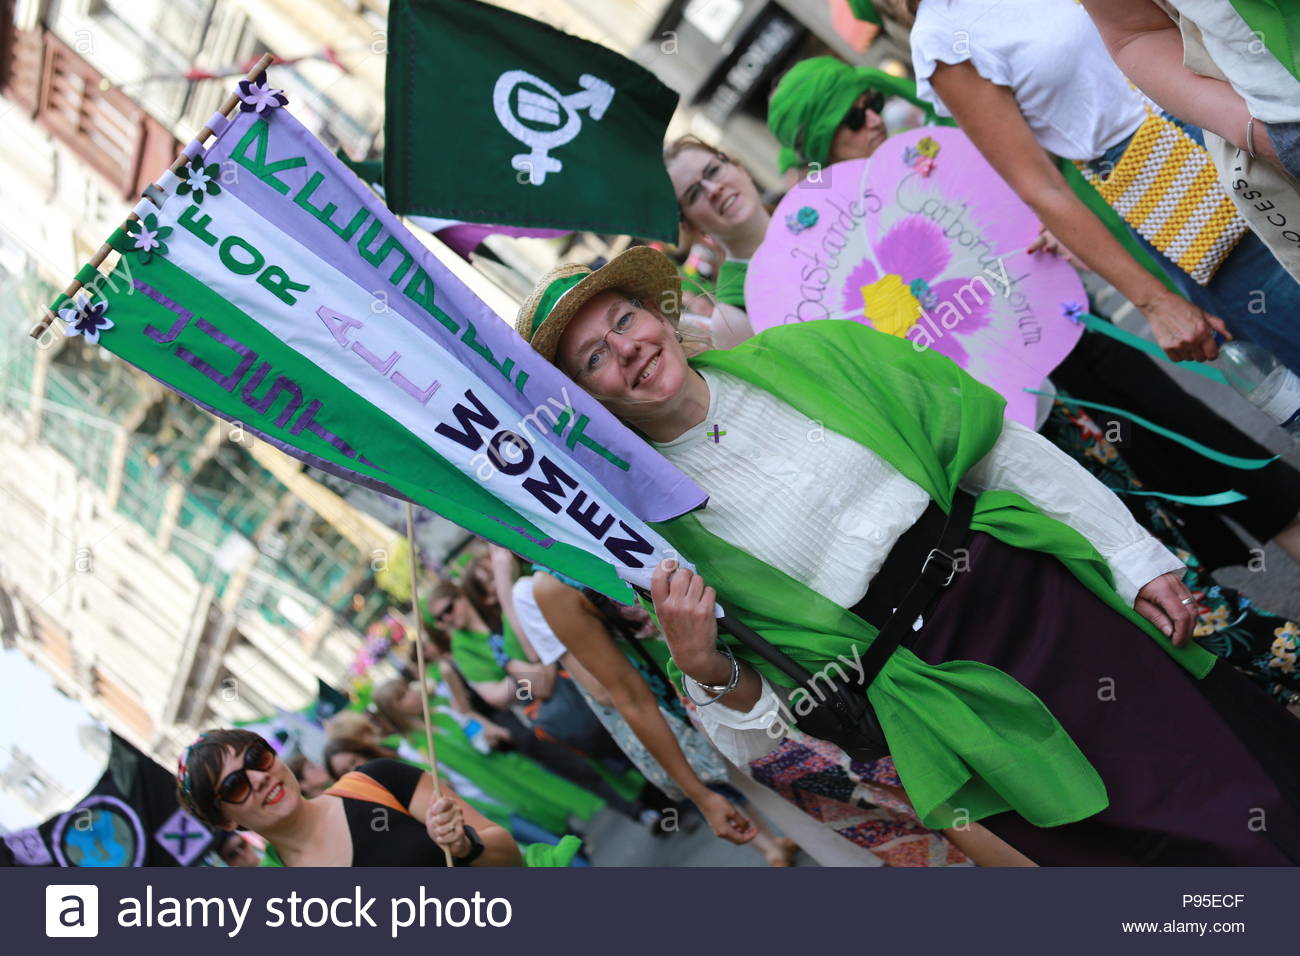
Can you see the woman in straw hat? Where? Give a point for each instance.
(1049, 689)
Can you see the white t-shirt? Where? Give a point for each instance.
(1268, 88)
(1048, 52)
(548, 646)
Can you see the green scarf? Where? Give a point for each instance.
(968, 740)
(809, 104)
(731, 283)
(1280, 31)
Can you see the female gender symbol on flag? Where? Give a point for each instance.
(558, 116)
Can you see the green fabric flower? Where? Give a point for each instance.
(198, 180)
(148, 238)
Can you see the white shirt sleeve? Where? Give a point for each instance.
(545, 642)
(743, 736)
(1027, 463)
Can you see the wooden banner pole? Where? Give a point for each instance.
(228, 108)
(419, 656)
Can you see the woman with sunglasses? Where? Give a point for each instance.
(1119, 451)
(1047, 687)
(232, 779)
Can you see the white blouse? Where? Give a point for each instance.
(827, 511)
(1048, 52)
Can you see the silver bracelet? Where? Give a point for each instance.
(720, 691)
(1250, 137)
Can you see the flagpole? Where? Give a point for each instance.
(419, 658)
(228, 108)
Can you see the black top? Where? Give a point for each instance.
(384, 837)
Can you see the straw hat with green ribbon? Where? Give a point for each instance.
(640, 272)
(811, 101)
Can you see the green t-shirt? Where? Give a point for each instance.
(476, 658)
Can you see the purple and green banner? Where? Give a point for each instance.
(272, 288)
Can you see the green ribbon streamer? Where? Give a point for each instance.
(1096, 323)
(1201, 501)
(1232, 461)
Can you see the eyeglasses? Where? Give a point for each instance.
(623, 325)
(856, 117)
(446, 609)
(711, 173)
(236, 787)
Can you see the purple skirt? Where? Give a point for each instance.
(1198, 772)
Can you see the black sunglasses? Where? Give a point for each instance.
(856, 118)
(446, 609)
(236, 787)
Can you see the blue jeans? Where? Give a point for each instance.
(1251, 292)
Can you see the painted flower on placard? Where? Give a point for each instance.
(899, 290)
(256, 95)
(198, 180)
(891, 305)
(86, 318)
(928, 148)
(1072, 310)
(148, 236)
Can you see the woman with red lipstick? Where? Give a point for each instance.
(232, 779)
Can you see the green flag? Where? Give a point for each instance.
(493, 117)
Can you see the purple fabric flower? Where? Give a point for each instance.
(86, 319)
(257, 95)
(1072, 310)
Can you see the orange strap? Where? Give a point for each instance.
(360, 786)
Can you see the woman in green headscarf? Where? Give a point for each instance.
(824, 111)
(1119, 450)
(1050, 691)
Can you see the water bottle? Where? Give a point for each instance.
(477, 736)
(1269, 385)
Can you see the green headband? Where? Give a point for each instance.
(554, 292)
(811, 100)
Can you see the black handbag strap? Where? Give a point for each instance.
(937, 571)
